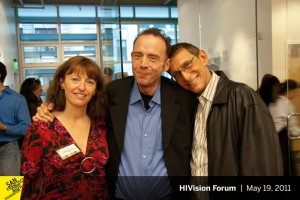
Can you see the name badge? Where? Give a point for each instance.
(68, 151)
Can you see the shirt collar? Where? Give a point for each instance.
(211, 87)
(135, 95)
(7, 90)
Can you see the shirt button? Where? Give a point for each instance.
(144, 156)
(146, 114)
(145, 134)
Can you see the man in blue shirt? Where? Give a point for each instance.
(152, 125)
(14, 119)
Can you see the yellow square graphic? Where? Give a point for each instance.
(11, 187)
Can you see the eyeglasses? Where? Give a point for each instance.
(183, 68)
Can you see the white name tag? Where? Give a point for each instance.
(68, 151)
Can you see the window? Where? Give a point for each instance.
(76, 11)
(170, 29)
(126, 11)
(110, 36)
(80, 50)
(54, 34)
(47, 11)
(151, 12)
(174, 12)
(78, 32)
(38, 32)
(108, 12)
(40, 54)
(124, 50)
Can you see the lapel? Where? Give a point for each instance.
(169, 111)
(119, 110)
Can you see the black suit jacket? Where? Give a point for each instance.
(177, 110)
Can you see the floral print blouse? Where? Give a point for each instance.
(48, 176)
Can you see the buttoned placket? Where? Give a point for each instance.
(199, 151)
(146, 135)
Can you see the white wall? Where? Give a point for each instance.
(188, 21)
(286, 30)
(228, 34)
(264, 29)
(293, 37)
(279, 35)
(8, 41)
(293, 21)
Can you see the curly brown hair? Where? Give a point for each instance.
(97, 106)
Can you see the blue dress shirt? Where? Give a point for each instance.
(142, 170)
(14, 115)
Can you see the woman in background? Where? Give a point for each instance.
(65, 158)
(31, 89)
(269, 88)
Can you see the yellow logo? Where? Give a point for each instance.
(11, 187)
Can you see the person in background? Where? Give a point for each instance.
(108, 75)
(269, 88)
(283, 106)
(280, 111)
(65, 158)
(14, 119)
(120, 75)
(31, 89)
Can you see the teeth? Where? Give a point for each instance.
(80, 95)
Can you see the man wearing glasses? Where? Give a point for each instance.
(234, 134)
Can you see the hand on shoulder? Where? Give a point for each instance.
(44, 113)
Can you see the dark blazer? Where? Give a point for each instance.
(241, 136)
(177, 110)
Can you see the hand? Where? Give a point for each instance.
(2, 127)
(43, 113)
